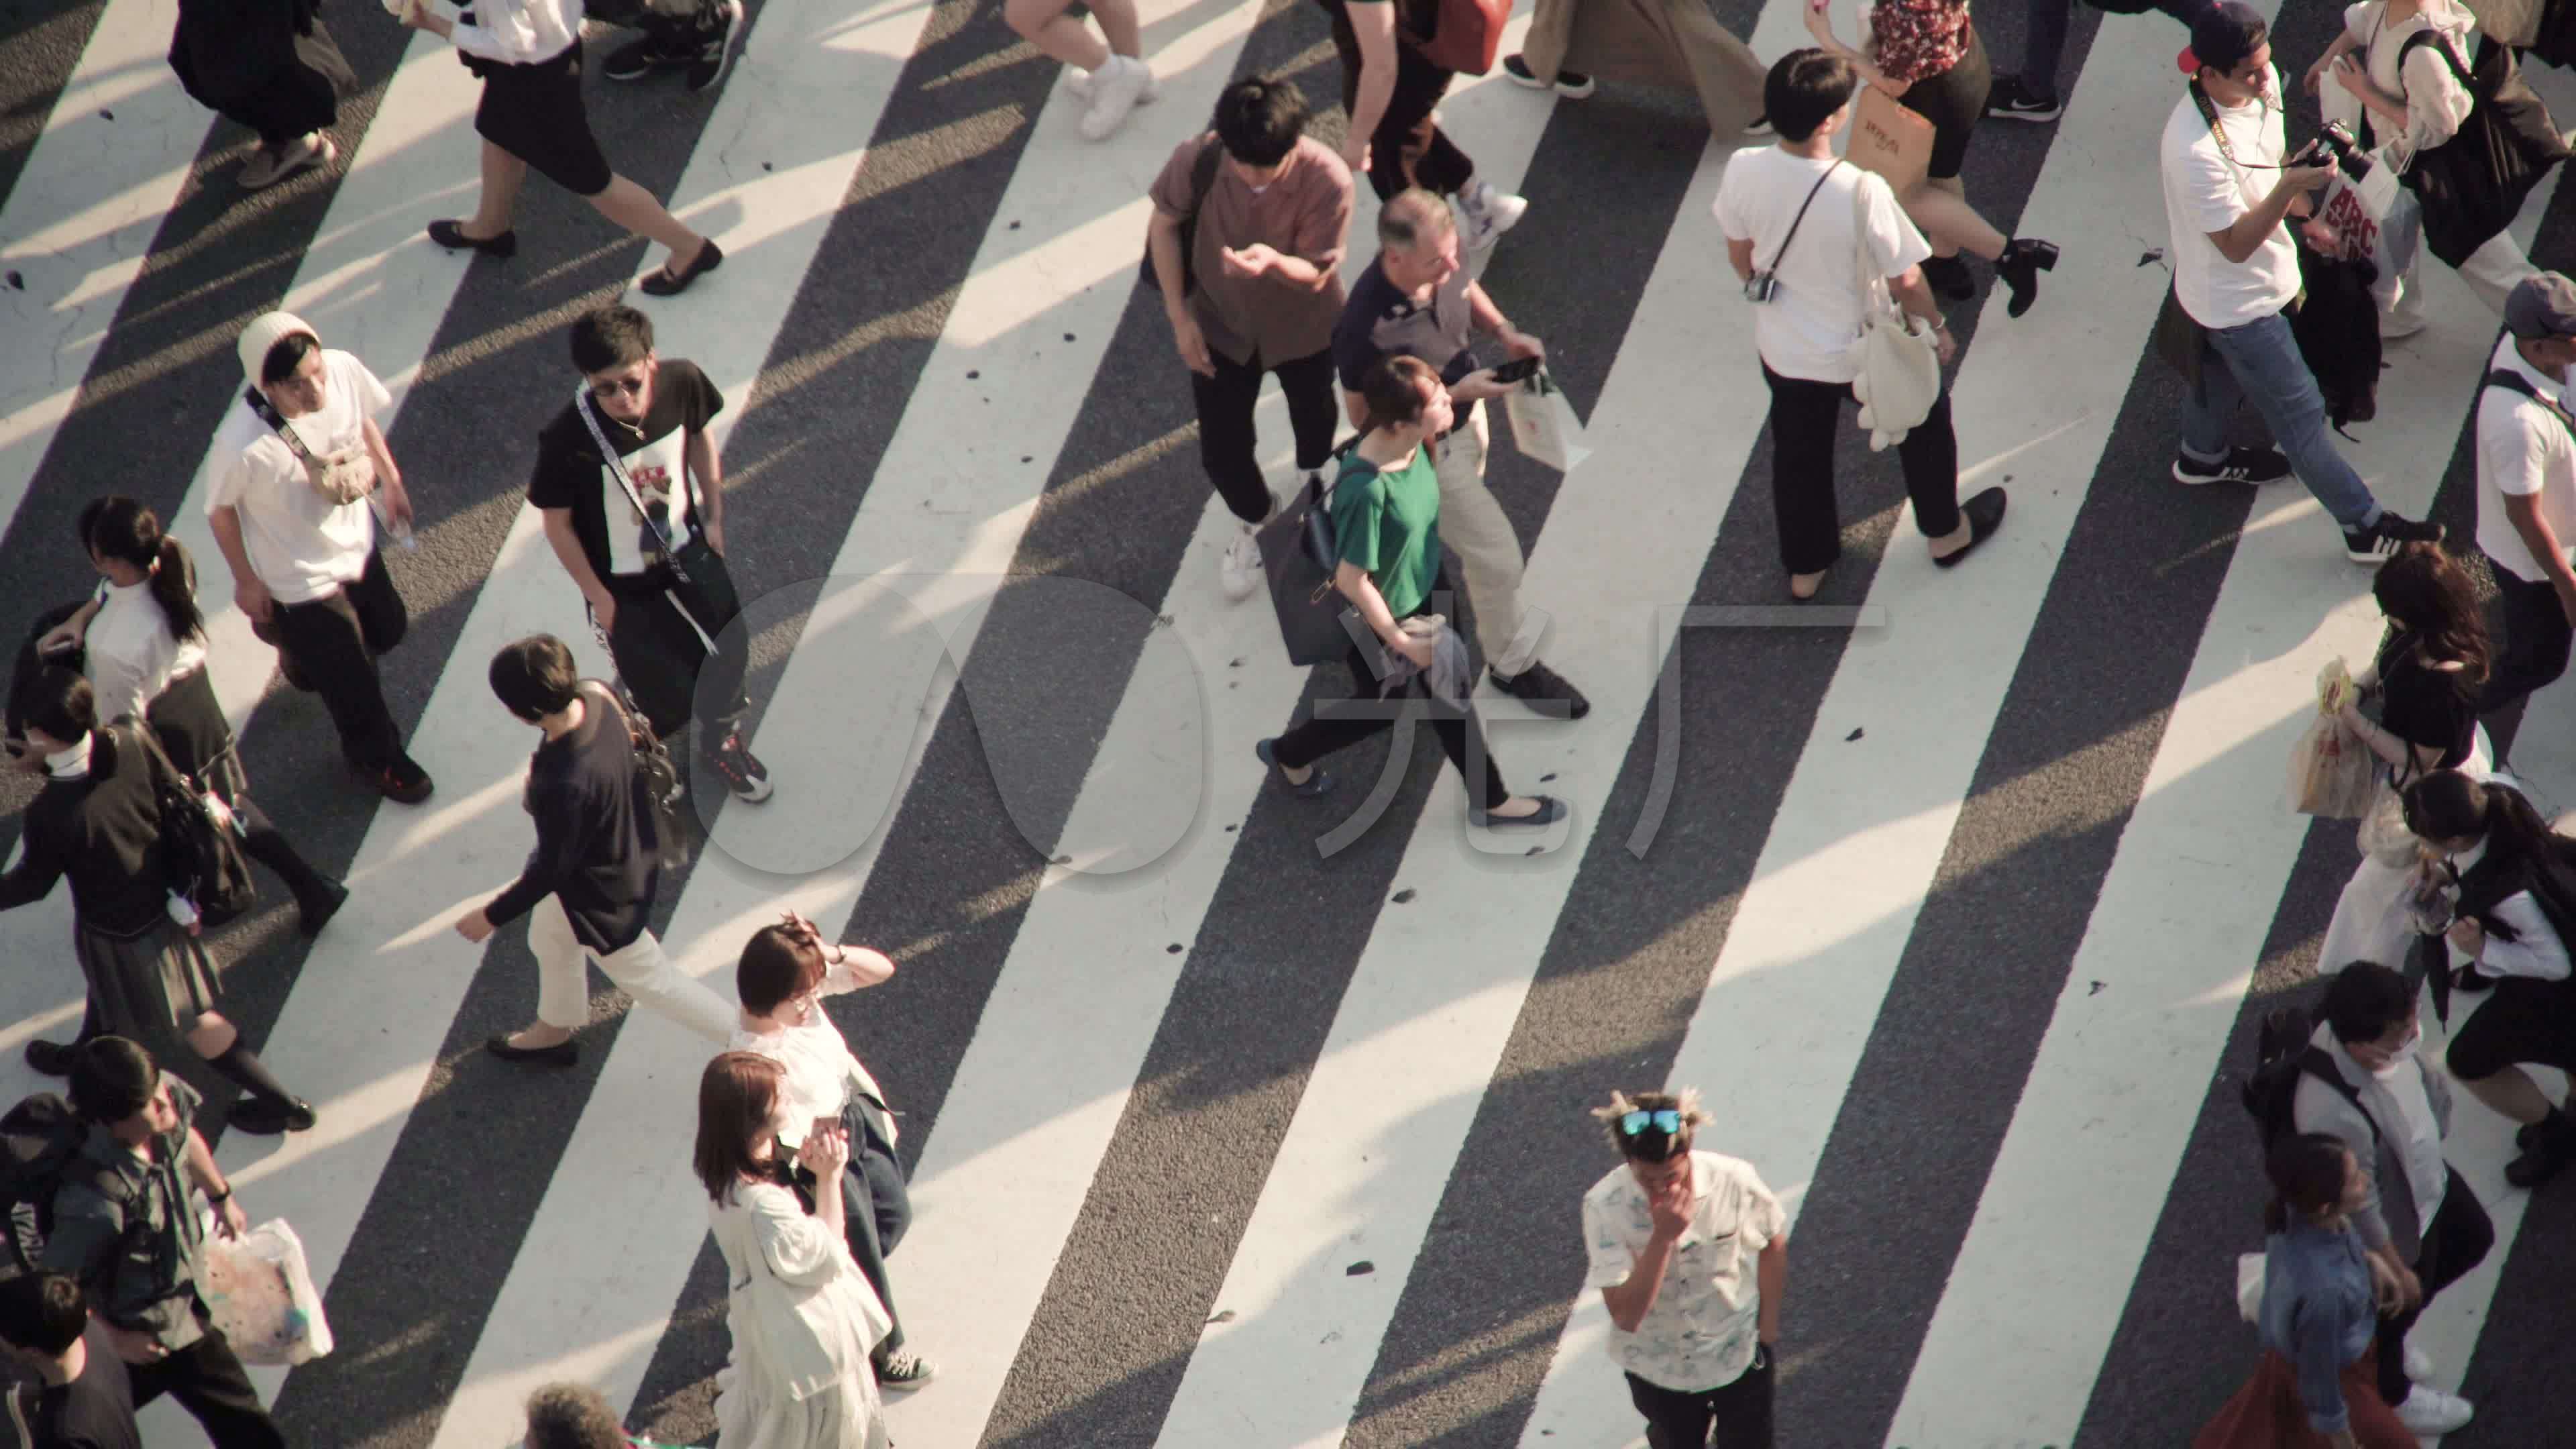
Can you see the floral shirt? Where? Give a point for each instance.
(1701, 1332)
(1915, 40)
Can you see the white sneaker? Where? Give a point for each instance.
(1240, 571)
(2419, 1365)
(2428, 1412)
(1115, 88)
(1489, 214)
(1078, 81)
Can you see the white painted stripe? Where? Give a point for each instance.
(844, 731)
(110, 163)
(1862, 826)
(2036, 1292)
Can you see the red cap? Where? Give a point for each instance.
(2189, 62)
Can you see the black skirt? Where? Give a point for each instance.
(1953, 101)
(534, 112)
(188, 721)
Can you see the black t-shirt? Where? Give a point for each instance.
(1379, 320)
(94, 1411)
(595, 832)
(2423, 705)
(571, 474)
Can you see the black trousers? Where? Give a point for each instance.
(2456, 1240)
(1438, 165)
(188, 720)
(669, 668)
(876, 1211)
(331, 646)
(207, 1379)
(1228, 446)
(1462, 739)
(2536, 639)
(1804, 418)
(1740, 1410)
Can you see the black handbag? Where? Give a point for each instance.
(1202, 176)
(701, 584)
(1300, 555)
(2474, 184)
(201, 842)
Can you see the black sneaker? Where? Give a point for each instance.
(1545, 689)
(2379, 543)
(270, 1116)
(1574, 85)
(403, 782)
(639, 58)
(741, 770)
(903, 1369)
(2241, 465)
(708, 66)
(2010, 100)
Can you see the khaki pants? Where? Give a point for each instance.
(1474, 531)
(639, 968)
(1677, 44)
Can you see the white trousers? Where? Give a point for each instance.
(2492, 271)
(639, 968)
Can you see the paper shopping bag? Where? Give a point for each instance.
(1890, 140)
(2331, 774)
(1544, 424)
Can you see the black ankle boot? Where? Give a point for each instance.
(1949, 278)
(2020, 265)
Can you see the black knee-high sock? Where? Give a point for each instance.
(262, 842)
(243, 1066)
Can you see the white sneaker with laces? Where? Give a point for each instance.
(2428, 1412)
(1489, 213)
(1240, 571)
(1078, 81)
(1115, 88)
(2419, 1365)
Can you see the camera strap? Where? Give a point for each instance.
(1801, 216)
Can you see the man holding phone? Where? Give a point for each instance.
(2236, 272)
(1415, 300)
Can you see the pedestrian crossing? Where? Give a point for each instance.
(1218, 1137)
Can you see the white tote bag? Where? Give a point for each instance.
(1899, 373)
(1544, 425)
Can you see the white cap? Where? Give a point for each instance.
(264, 332)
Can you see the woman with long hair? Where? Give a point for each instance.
(803, 1319)
(1386, 521)
(1925, 56)
(2321, 1301)
(782, 977)
(2512, 918)
(2431, 667)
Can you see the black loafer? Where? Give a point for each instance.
(270, 1116)
(451, 235)
(53, 1058)
(1985, 514)
(317, 913)
(1318, 783)
(561, 1054)
(1550, 810)
(668, 283)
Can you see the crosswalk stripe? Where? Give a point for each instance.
(948, 520)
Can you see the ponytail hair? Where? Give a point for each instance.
(2306, 1171)
(121, 529)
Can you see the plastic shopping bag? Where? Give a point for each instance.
(261, 1295)
(1544, 424)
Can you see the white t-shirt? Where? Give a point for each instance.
(300, 544)
(2203, 194)
(820, 1070)
(1811, 327)
(1702, 1330)
(2522, 449)
(131, 653)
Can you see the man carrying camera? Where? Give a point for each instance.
(1790, 214)
(2236, 274)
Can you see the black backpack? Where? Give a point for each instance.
(40, 1142)
(201, 850)
(2284, 1051)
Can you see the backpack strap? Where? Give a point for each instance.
(2313, 1062)
(2512, 381)
(1202, 175)
(2430, 36)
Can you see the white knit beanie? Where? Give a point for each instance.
(264, 332)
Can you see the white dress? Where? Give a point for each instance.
(803, 1322)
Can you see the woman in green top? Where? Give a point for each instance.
(1386, 521)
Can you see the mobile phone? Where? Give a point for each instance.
(825, 1124)
(1519, 369)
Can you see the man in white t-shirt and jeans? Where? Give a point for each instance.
(1809, 327)
(2527, 486)
(305, 567)
(2229, 184)
(1691, 1253)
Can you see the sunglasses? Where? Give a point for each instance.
(620, 387)
(1634, 1124)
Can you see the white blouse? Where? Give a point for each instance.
(2436, 103)
(820, 1068)
(2537, 953)
(519, 32)
(132, 655)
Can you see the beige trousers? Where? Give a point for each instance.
(1672, 43)
(1476, 534)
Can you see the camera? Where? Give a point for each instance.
(2336, 146)
(1761, 287)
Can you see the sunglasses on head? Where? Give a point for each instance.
(1634, 1124)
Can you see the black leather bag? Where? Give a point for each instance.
(1299, 555)
(2473, 185)
(1202, 176)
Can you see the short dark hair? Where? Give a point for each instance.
(42, 1313)
(777, 966)
(2364, 1000)
(611, 337)
(1395, 390)
(736, 1095)
(287, 354)
(2307, 1173)
(1804, 89)
(534, 677)
(2225, 34)
(59, 702)
(1260, 119)
(112, 1079)
(572, 1416)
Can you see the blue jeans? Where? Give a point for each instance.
(2046, 44)
(2260, 360)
